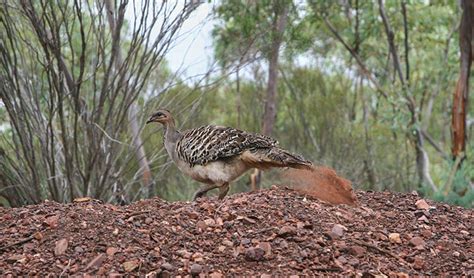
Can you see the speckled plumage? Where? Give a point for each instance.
(217, 155)
(210, 143)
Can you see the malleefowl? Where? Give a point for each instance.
(217, 155)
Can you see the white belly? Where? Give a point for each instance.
(216, 172)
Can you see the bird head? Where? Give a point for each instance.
(162, 116)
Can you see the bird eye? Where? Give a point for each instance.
(159, 114)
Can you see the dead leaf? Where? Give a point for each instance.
(130, 265)
(82, 200)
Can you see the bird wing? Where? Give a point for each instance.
(204, 144)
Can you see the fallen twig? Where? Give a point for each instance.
(378, 249)
(25, 240)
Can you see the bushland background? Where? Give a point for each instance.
(378, 90)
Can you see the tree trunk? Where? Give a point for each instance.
(269, 116)
(133, 110)
(461, 93)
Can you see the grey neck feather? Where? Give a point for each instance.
(170, 137)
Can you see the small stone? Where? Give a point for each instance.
(210, 222)
(424, 219)
(111, 251)
(357, 251)
(394, 238)
(422, 204)
(38, 236)
(115, 275)
(402, 275)
(337, 231)
(418, 263)
(78, 249)
(196, 269)
(456, 254)
(287, 231)
(148, 220)
(417, 242)
(201, 225)
(354, 262)
(227, 243)
(284, 244)
(427, 233)
(96, 262)
(193, 214)
(61, 246)
(52, 221)
(167, 266)
(130, 265)
(267, 247)
(245, 241)
(381, 236)
(255, 254)
(184, 253)
(464, 232)
(197, 257)
(216, 275)
(221, 248)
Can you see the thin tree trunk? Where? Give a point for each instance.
(422, 159)
(269, 115)
(133, 110)
(369, 161)
(461, 93)
(238, 101)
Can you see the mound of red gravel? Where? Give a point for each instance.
(270, 232)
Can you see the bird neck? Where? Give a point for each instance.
(170, 136)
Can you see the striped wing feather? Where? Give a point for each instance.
(204, 144)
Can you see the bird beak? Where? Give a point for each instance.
(150, 120)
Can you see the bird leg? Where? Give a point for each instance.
(223, 190)
(203, 190)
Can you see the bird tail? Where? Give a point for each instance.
(275, 157)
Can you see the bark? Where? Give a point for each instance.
(269, 116)
(461, 93)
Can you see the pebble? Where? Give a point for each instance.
(337, 231)
(167, 266)
(357, 251)
(254, 254)
(196, 269)
(394, 238)
(287, 231)
(417, 241)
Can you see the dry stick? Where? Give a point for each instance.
(378, 249)
(138, 213)
(25, 240)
